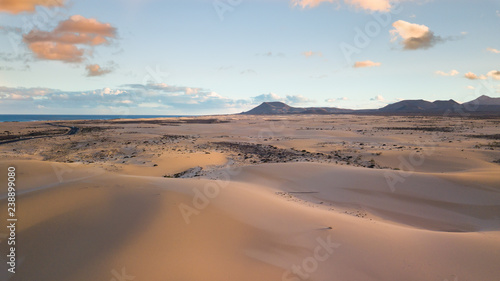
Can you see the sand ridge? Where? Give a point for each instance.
(93, 205)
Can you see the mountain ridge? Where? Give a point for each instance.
(482, 105)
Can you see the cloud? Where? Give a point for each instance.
(96, 70)
(366, 63)
(297, 99)
(377, 98)
(337, 99)
(322, 76)
(267, 98)
(310, 3)
(18, 6)
(122, 100)
(289, 99)
(495, 51)
(369, 5)
(131, 98)
(415, 36)
(56, 51)
(248, 71)
(70, 40)
(451, 73)
(495, 74)
(311, 54)
(472, 76)
(271, 54)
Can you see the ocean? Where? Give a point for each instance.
(32, 117)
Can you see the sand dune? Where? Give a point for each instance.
(84, 228)
(117, 217)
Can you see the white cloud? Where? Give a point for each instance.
(378, 98)
(337, 99)
(289, 99)
(297, 99)
(451, 73)
(150, 96)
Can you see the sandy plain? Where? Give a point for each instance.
(298, 197)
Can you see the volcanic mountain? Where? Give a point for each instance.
(483, 105)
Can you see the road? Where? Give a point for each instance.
(72, 131)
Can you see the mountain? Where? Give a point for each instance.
(483, 105)
(278, 108)
(484, 100)
(271, 108)
(420, 106)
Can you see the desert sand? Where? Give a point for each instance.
(298, 197)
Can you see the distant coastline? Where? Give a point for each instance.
(69, 117)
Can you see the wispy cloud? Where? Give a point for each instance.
(494, 74)
(18, 6)
(248, 71)
(492, 50)
(289, 99)
(366, 63)
(369, 5)
(309, 54)
(272, 54)
(310, 3)
(96, 70)
(134, 98)
(377, 98)
(473, 76)
(336, 100)
(451, 73)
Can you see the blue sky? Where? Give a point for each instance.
(225, 56)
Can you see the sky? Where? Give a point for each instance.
(190, 57)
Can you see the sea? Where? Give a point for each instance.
(32, 117)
